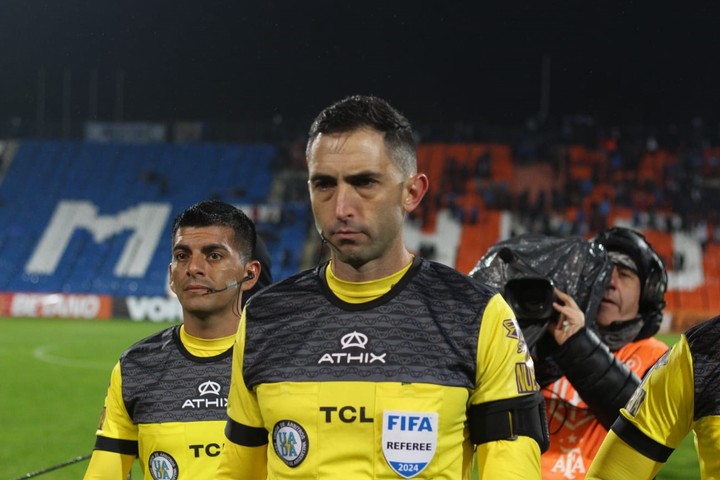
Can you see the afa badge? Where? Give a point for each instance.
(409, 440)
(290, 442)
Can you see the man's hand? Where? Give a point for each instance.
(570, 320)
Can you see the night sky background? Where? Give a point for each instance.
(233, 60)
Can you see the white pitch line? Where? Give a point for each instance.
(43, 354)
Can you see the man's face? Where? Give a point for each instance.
(358, 195)
(205, 259)
(621, 301)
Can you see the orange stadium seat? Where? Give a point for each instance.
(617, 213)
(693, 300)
(477, 239)
(672, 298)
(662, 242)
(502, 163)
(712, 293)
(431, 160)
(460, 152)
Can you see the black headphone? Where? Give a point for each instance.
(651, 268)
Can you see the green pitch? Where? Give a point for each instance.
(54, 374)
(53, 377)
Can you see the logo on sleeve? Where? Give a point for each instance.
(409, 440)
(637, 399)
(290, 442)
(512, 331)
(162, 466)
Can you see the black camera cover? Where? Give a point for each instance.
(531, 264)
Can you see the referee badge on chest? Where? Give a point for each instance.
(409, 440)
(290, 442)
(162, 466)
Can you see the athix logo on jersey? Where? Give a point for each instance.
(209, 397)
(352, 340)
(209, 388)
(409, 440)
(290, 442)
(162, 466)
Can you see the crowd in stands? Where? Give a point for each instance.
(666, 178)
(667, 183)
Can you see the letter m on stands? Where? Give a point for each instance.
(145, 220)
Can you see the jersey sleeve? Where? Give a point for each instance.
(116, 443)
(509, 459)
(108, 466)
(245, 453)
(504, 366)
(654, 422)
(504, 371)
(616, 460)
(661, 410)
(115, 422)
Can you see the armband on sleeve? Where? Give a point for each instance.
(246, 436)
(115, 445)
(507, 419)
(631, 435)
(603, 381)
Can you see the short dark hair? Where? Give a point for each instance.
(216, 213)
(366, 111)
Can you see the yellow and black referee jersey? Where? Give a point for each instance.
(166, 405)
(326, 388)
(681, 393)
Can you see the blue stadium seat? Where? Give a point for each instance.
(115, 179)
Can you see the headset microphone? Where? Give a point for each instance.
(323, 242)
(230, 285)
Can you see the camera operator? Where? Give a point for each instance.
(596, 368)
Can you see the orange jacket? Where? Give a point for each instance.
(575, 433)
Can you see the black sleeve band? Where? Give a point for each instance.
(125, 447)
(630, 434)
(508, 419)
(246, 436)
